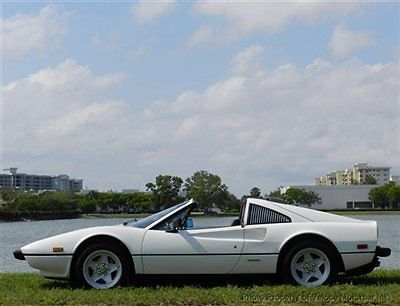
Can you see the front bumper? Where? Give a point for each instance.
(49, 265)
(18, 255)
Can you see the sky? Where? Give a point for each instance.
(263, 94)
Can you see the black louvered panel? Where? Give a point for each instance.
(263, 215)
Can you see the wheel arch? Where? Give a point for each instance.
(103, 238)
(292, 241)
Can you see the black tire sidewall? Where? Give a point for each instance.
(287, 273)
(79, 277)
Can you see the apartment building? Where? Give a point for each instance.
(356, 175)
(37, 182)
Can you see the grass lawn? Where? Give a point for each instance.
(381, 287)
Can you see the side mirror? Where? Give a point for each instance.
(189, 223)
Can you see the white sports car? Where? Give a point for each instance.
(304, 246)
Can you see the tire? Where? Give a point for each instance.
(102, 266)
(309, 264)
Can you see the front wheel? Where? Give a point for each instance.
(310, 264)
(102, 266)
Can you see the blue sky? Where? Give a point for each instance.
(109, 83)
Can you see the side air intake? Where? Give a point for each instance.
(263, 215)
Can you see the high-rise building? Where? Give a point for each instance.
(37, 182)
(356, 175)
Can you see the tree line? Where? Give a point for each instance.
(206, 188)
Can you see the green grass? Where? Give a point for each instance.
(381, 287)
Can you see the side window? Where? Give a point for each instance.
(262, 215)
(175, 221)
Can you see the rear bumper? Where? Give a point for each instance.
(382, 252)
(379, 252)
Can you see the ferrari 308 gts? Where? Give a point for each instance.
(304, 246)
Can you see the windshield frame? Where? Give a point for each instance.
(154, 219)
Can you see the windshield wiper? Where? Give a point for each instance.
(127, 222)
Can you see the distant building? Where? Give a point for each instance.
(38, 182)
(395, 179)
(339, 196)
(355, 175)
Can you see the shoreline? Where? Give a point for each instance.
(27, 217)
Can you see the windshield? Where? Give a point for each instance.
(142, 223)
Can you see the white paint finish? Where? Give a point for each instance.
(352, 261)
(138, 263)
(256, 264)
(51, 266)
(255, 233)
(132, 237)
(302, 214)
(198, 245)
(214, 250)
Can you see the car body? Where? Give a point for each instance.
(305, 246)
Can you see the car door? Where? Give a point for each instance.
(259, 255)
(193, 251)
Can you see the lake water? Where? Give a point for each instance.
(14, 235)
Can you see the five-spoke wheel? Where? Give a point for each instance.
(102, 266)
(102, 269)
(310, 264)
(310, 267)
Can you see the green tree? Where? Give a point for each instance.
(275, 195)
(231, 203)
(11, 195)
(385, 196)
(165, 191)
(86, 205)
(393, 194)
(207, 189)
(139, 202)
(255, 192)
(369, 180)
(56, 201)
(25, 203)
(301, 197)
(379, 196)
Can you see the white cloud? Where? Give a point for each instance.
(44, 109)
(263, 127)
(247, 60)
(345, 42)
(201, 35)
(24, 33)
(273, 127)
(268, 18)
(147, 11)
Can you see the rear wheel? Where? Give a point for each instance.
(310, 264)
(102, 266)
